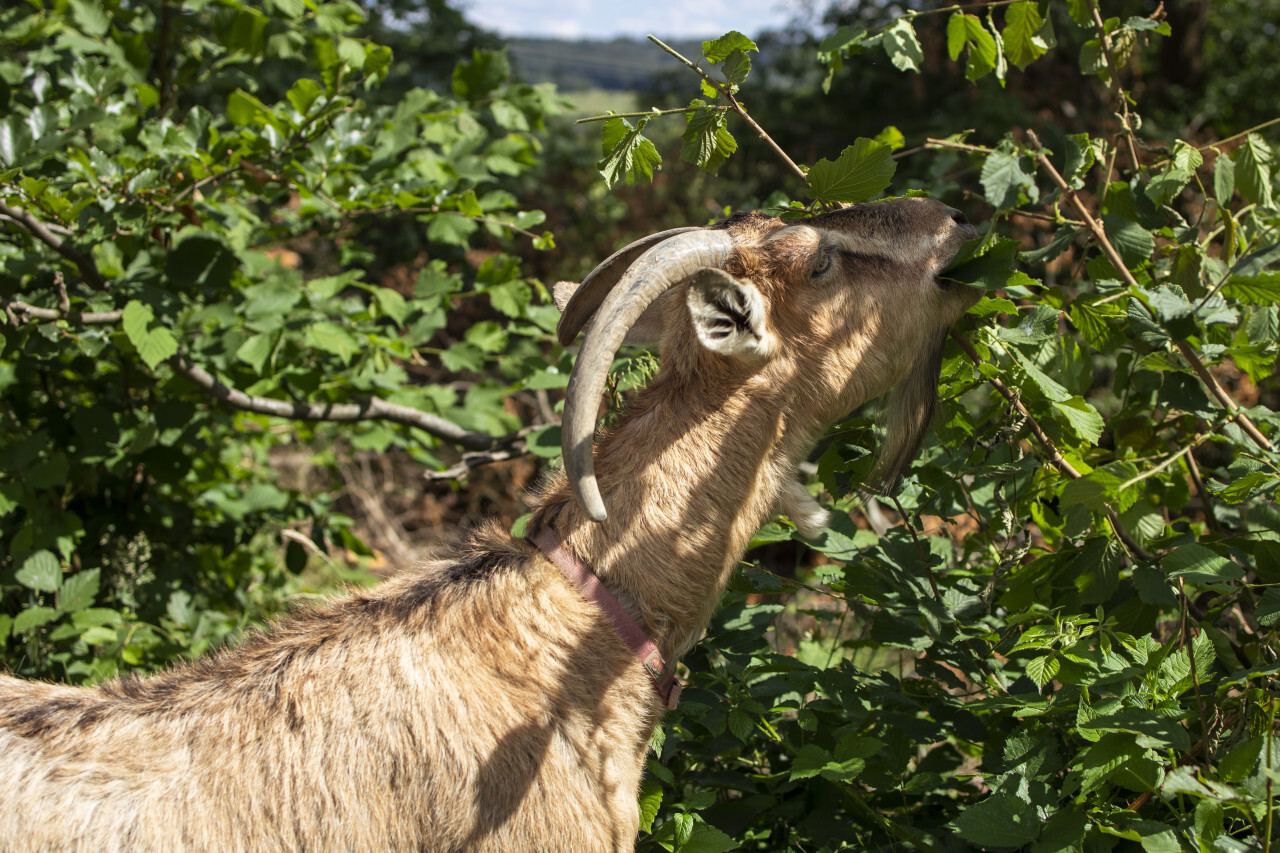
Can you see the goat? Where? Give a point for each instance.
(481, 702)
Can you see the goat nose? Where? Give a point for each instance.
(957, 217)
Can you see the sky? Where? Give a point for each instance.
(604, 19)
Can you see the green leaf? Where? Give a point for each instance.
(1005, 183)
(1261, 289)
(486, 71)
(650, 802)
(707, 141)
(1000, 820)
(629, 155)
(862, 170)
(903, 48)
(718, 50)
(303, 93)
(154, 345)
(79, 591)
(33, 617)
(1134, 243)
(40, 571)
(1224, 179)
(736, 68)
(331, 338)
(966, 31)
(1197, 564)
(1253, 166)
(1023, 43)
(1042, 670)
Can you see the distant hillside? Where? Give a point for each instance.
(617, 65)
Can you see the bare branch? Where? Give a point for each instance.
(513, 449)
(372, 409)
(83, 318)
(44, 234)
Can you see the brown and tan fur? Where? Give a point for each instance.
(478, 702)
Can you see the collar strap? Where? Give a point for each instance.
(592, 589)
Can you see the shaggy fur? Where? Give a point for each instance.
(478, 702)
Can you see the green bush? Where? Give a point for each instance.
(203, 209)
(1065, 636)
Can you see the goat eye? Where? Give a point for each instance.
(823, 264)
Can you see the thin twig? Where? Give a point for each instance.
(727, 94)
(653, 112)
(44, 234)
(83, 318)
(471, 461)
(1113, 256)
(1116, 91)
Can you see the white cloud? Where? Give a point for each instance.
(603, 20)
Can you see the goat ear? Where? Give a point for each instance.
(907, 412)
(645, 331)
(729, 315)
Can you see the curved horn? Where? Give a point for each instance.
(658, 269)
(596, 286)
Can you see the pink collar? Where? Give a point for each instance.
(589, 585)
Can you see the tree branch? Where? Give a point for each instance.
(43, 233)
(373, 408)
(1113, 256)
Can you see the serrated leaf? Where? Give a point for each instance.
(650, 802)
(40, 571)
(967, 31)
(154, 345)
(331, 338)
(707, 141)
(1001, 820)
(1004, 182)
(1195, 563)
(1084, 419)
(1022, 41)
(1224, 179)
(736, 68)
(861, 171)
(1261, 289)
(1134, 243)
(79, 591)
(1042, 670)
(629, 155)
(1253, 164)
(901, 45)
(717, 50)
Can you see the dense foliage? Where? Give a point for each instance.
(1068, 640)
(225, 225)
(209, 217)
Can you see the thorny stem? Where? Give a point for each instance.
(736, 107)
(1055, 456)
(1113, 256)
